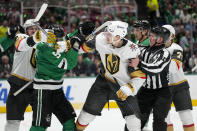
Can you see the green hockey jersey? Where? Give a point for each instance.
(5, 43)
(51, 66)
(146, 42)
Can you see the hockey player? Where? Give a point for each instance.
(119, 58)
(141, 32)
(22, 72)
(179, 86)
(155, 94)
(8, 40)
(52, 63)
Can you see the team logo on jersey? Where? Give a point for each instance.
(112, 63)
(133, 47)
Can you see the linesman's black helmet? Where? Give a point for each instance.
(141, 23)
(162, 32)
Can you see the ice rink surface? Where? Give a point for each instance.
(111, 120)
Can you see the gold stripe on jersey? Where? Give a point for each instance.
(174, 84)
(20, 77)
(179, 63)
(130, 86)
(137, 73)
(86, 48)
(33, 58)
(108, 78)
(18, 40)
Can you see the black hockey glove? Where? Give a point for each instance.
(86, 28)
(12, 31)
(58, 30)
(21, 29)
(76, 41)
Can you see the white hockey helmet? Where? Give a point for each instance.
(28, 23)
(170, 28)
(118, 28)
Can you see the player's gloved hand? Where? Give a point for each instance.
(12, 31)
(39, 36)
(86, 28)
(58, 30)
(76, 41)
(124, 92)
(21, 29)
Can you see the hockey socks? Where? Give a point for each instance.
(170, 127)
(80, 127)
(37, 128)
(69, 125)
(189, 127)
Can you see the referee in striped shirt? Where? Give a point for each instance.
(154, 94)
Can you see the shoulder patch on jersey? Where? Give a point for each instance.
(133, 47)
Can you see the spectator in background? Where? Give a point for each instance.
(89, 59)
(5, 67)
(94, 68)
(179, 10)
(81, 68)
(186, 17)
(3, 28)
(186, 43)
(180, 32)
(193, 62)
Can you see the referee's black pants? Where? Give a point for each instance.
(158, 100)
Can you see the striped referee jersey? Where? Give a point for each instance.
(155, 64)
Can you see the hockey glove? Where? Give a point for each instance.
(12, 31)
(76, 42)
(124, 92)
(86, 28)
(58, 30)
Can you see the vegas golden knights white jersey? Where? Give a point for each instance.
(24, 62)
(176, 74)
(115, 61)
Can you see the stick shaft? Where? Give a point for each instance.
(22, 88)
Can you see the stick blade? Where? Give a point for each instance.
(41, 12)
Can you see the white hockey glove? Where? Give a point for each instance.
(124, 92)
(39, 36)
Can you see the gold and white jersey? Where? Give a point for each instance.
(176, 74)
(115, 61)
(24, 62)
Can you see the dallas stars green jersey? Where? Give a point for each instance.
(51, 66)
(146, 42)
(5, 43)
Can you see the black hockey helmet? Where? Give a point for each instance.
(86, 28)
(162, 32)
(58, 30)
(141, 23)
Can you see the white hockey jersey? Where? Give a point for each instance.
(176, 74)
(23, 65)
(115, 62)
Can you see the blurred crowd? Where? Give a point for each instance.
(182, 14)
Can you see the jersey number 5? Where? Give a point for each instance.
(57, 55)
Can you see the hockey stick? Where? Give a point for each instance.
(41, 12)
(98, 29)
(21, 89)
(194, 68)
(131, 100)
